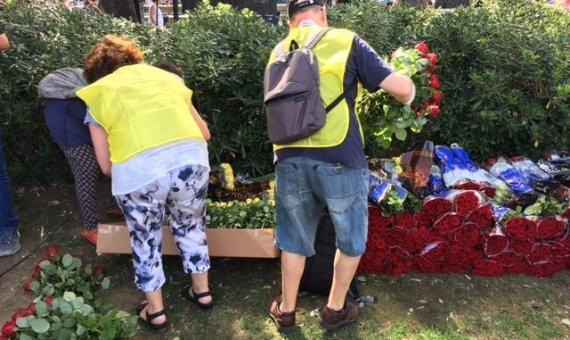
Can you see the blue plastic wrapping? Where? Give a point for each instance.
(530, 170)
(510, 175)
(435, 182)
(377, 188)
(456, 168)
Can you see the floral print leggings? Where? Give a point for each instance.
(182, 194)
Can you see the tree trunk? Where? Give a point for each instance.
(131, 9)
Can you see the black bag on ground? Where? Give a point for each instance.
(318, 274)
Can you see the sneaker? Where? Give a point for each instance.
(331, 319)
(9, 243)
(285, 321)
(90, 235)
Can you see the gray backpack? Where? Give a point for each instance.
(293, 106)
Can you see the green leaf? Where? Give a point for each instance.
(86, 309)
(76, 263)
(35, 286)
(66, 260)
(44, 264)
(87, 295)
(55, 326)
(50, 269)
(69, 322)
(77, 303)
(106, 283)
(24, 336)
(69, 296)
(22, 322)
(65, 308)
(40, 325)
(63, 334)
(41, 308)
(80, 330)
(400, 134)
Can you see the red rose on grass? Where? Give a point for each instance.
(31, 308)
(8, 328)
(22, 313)
(37, 272)
(433, 58)
(434, 82)
(422, 47)
(98, 269)
(433, 111)
(49, 300)
(27, 286)
(52, 251)
(437, 97)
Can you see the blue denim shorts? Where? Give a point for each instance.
(303, 188)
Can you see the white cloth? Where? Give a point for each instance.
(150, 165)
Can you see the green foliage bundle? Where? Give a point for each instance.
(504, 70)
(61, 273)
(249, 214)
(66, 306)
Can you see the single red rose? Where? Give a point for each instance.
(8, 328)
(433, 58)
(27, 286)
(52, 251)
(434, 81)
(49, 300)
(422, 47)
(22, 313)
(437, 97)
(35, 275)
(32, 308)
(431, 69)
(98, 269)
(433, 111)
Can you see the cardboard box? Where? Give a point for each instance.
(113, 238)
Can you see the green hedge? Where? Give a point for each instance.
(504, 67)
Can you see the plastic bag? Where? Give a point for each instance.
(510, 175)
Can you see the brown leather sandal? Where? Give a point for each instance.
(195, 297)
(159, 328)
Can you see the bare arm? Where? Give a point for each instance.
(152, 14)
(399, 86)
(101, 146)
(4, 42)
(201, 123)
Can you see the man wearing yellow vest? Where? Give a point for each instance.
(328, 168)
(149, 137)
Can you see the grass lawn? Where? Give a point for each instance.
(414, 306)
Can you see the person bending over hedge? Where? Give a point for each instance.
(64, 114)
(152, 142)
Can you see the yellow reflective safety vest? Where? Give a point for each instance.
(332, 53)
(141, 107)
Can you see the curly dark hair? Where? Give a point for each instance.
(169, 67)
(109, 54)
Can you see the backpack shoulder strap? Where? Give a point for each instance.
(280, 49)
(316, 37)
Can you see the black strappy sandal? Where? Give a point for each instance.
(159, 328)
(195, 297)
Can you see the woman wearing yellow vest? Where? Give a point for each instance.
(150, 139)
